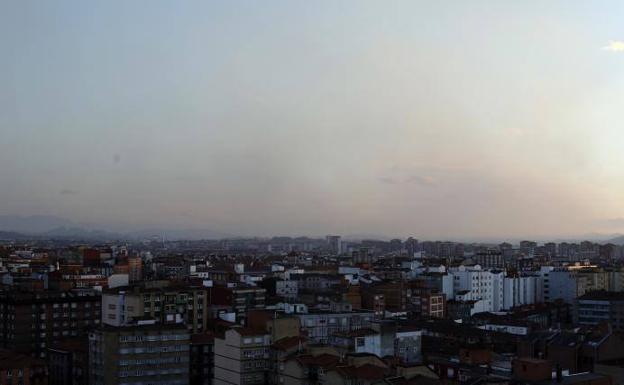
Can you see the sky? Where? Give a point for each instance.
(432, 119)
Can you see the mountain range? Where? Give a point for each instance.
(47, 226)
(53, 227)
(617, 240)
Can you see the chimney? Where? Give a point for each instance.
(559, 374)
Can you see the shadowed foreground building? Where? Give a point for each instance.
(68, 363)
(145, 353)
(30, 322)
(20, 369)
(202, 359)
(242, 357)
(601, 306)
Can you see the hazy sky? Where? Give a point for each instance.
(426, 118)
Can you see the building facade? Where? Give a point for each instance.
(601, 306)
(242, 357)
(30, 322)
(168, 305)
(146, 353)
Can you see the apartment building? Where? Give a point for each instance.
(68, 362)
(601, 306)
(30, 322)
(242, 357)
(167, 304)
(240, 298)
(319, 325)
(143, 353)
(490, 259)
(429, 304)
(486, 285)
(522, 290)
(202, 359)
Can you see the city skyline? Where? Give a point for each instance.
(446, 121)
(294, 192)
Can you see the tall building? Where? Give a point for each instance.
(528, 247)
(482, 284)
(202, 359)
(135, 268)
(144, 353)
(167, 304)
(363, 255)
(563, 250)
(30, 322)
(242, 356)
(522, 290)
(490, 259)
(411, 247)
(561, 284)
(240, 298)
(396, 245)
(333, 244)
(68, 362)
(551, 249)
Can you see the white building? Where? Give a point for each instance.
(523, 290)
(486, 285)
(518, 330)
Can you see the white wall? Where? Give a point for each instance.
(520, 291)
(483, 284)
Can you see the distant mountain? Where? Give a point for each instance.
(360, 237)
(82, 234)
(617, 240)
(47, 226)
(11, 235)
(178, 234)
(34, 224)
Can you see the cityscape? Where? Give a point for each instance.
(305, 310)
(311, 192)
